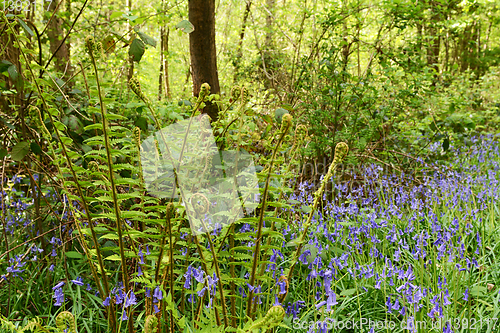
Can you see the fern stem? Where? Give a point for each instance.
(340, 152)
(285, 126)
(113, 186)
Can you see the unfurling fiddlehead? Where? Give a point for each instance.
(272, 318)
(65, 322)
(341, 150)
(151, 324)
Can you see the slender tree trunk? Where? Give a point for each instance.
(239, 48)
(464, 59)
(11, 53)
(160, 76)
(420, 29)
(202, 49)
(56, 33)
(269, 45)
(165, 66)
(130, 72)
(163, 84)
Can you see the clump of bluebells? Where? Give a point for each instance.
(388, 247)
(419, 247)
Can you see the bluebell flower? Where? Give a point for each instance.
(78, 281)
(130, 300)
(119, 297)
(187, 276)
(59, 296)
(466, 295)
(59, 285)
(158, 294)
(141, 255)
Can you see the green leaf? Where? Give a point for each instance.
(267, 118)
(115, 15)
(74, 254)
(137, 49)
(348, 292)
(20, 150)
(4, 65)
(142, 123)
(109, 44)
(478, 291)
(279, 113)
(35, 148)
(12, 70)
(3, 152)
(25, 27)
(185, 26)
(131, 17)
(146, 39)
(306, 209)
(114, 257)
(446, 144)
(73, 123)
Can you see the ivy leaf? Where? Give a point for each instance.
(185, 26)
(146, 39)
(20, 150)
(137, 49)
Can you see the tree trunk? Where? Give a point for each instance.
(56, 34)
(164, 84)
(202, 49)
(269, 64)
(9, 52)
(239, 50)
(130, 71)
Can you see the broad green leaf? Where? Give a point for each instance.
(146, 39)
(142, 123)
(74, 254)
(137, 49)
(20, 150)
(185, 26)
(115, 15)
(12, 70)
